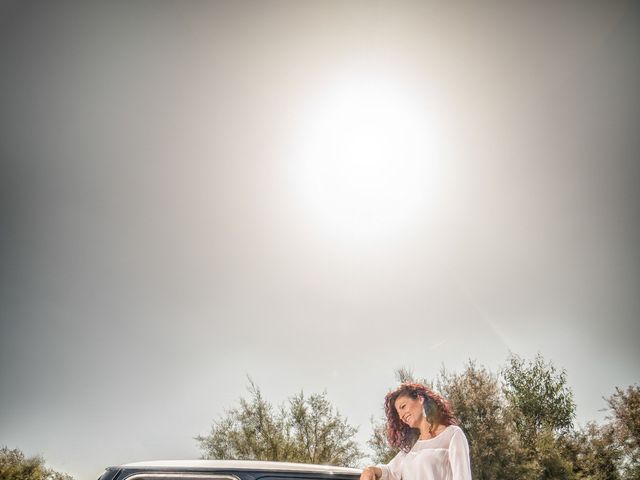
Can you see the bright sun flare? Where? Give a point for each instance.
(365, 162)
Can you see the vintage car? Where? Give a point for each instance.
(227, 470)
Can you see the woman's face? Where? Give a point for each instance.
(410, 410)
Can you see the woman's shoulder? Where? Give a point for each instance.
(457, 435)
(451, 432)
(456, 430)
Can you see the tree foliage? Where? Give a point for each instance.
(15, 466)
(540, 406)
(593, 452)
(476, 398)
(625, 423)
(538, 398)
(382, 451)
(306, 429)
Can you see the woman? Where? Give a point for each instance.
(432, 446)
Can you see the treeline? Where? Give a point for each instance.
(520, 423)
(15, 466)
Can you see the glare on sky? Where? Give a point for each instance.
(367, 159)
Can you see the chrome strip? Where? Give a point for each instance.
(181, 475)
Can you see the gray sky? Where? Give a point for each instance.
(170, 223)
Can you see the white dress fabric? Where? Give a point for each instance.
(444, 457)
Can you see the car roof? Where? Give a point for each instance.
(242, 465)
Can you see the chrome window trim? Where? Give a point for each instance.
(226, 467)
(181, 475)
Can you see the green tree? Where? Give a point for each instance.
(550, 461)
(305, 429)
(382, 451)
(476, 398)
(625, 422)
(540, 405)
(538, 397)
(15, 466)
(609, 451)
(405, 375)
(593, 453)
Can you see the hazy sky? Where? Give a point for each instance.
(310, 193)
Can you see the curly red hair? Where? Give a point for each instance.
(436, 408)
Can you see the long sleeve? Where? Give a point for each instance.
(393, 469)
(459, 456)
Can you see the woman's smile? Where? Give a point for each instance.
(410, 410)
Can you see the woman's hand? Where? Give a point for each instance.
(371, 473)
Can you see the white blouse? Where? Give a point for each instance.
(444, 457)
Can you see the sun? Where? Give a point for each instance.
(365, 163)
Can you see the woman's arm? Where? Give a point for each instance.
(390, 471)
(459, 456)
